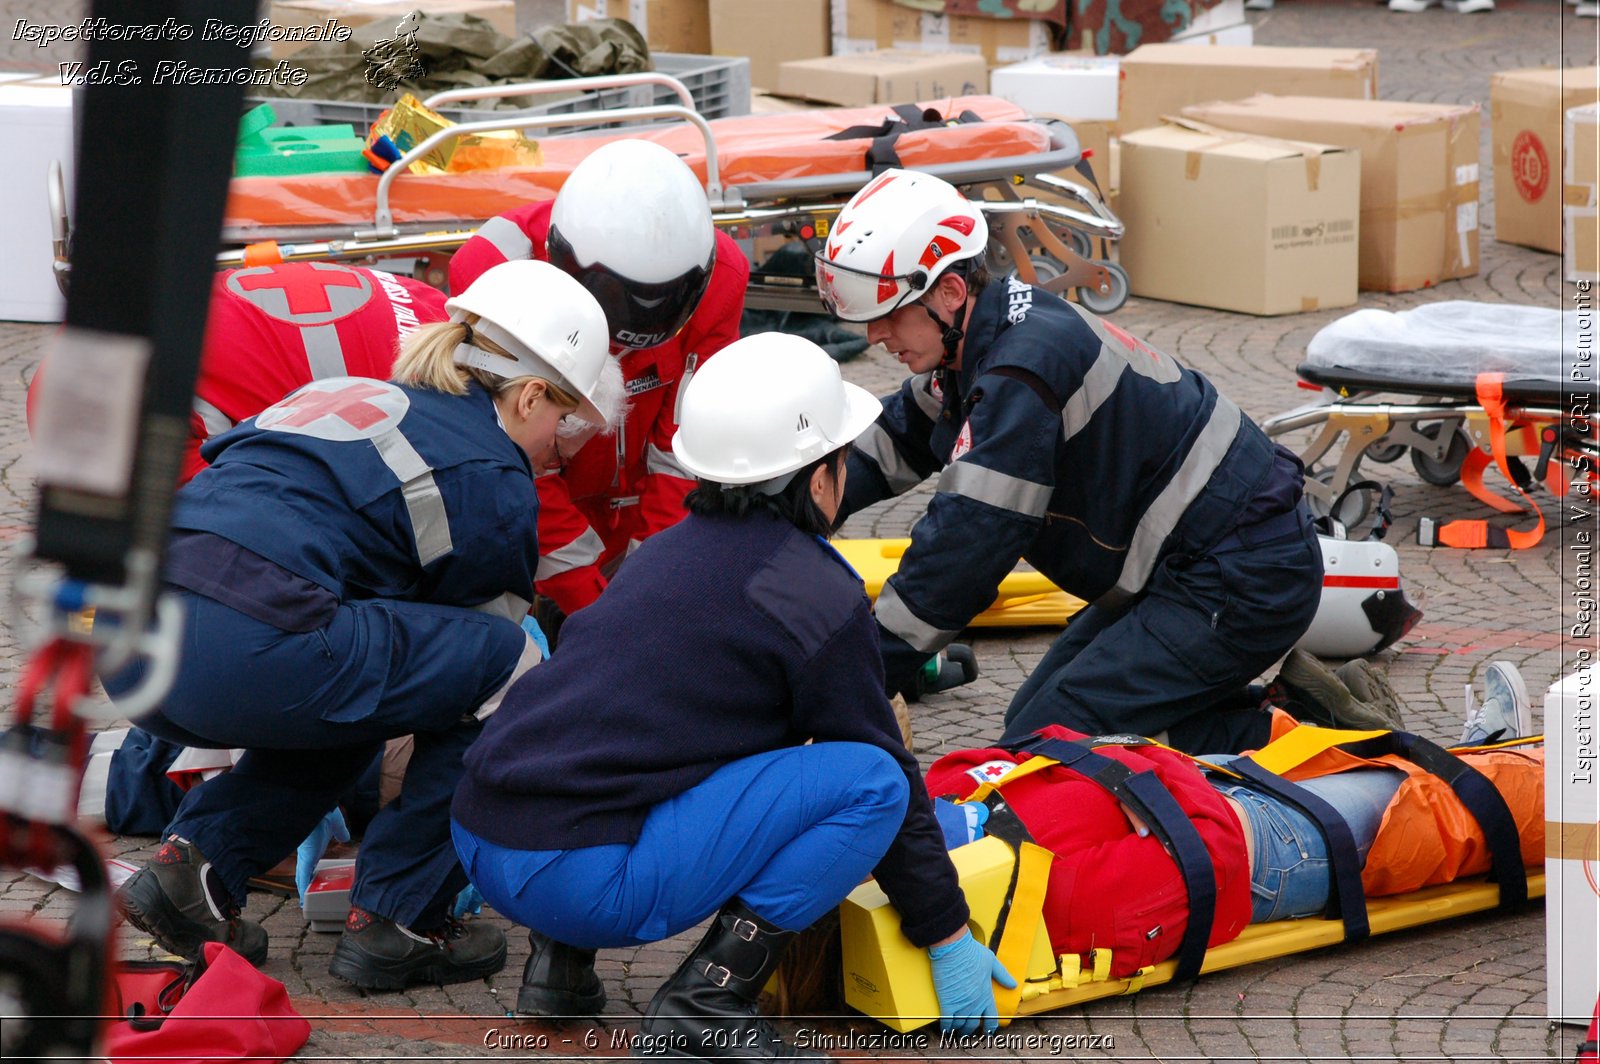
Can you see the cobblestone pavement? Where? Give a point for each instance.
(1471, 989)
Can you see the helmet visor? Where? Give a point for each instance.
(639, 315)
(857, 295)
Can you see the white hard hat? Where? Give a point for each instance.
(1364, 608)
(550, 325)
(632, 224)
(765, 406)
(893, 240)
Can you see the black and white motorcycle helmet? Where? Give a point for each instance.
(632, 224)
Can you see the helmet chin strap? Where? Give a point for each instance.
(951, 332)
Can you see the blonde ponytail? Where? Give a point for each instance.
(427, 360)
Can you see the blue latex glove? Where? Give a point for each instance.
(961, 974)
(468, 901)
(310, 852)
(536, 633)
(961, 822)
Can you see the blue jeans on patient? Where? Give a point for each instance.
(1289, 876)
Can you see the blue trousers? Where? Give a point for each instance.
(1289, 875)
(1178, 660)
(789, 832)
(312, 710)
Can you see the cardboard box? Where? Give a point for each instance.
(888, 76)
(1581, 220)
(869, 25)
(502, 14)
(1162, 79)
(769, 32)
(1237, 222)
(669, 25)
(1571, 845)
(36, 127)
(1083, 86)
(1419, 176)
(1526, 110)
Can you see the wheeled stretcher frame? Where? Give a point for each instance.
(1439, 429)
(1049, 243)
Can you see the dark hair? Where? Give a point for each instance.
(794, 503)
(974, 271)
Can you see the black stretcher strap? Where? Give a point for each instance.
(1148, 796)
(1486, 804)
(1347, 901)
(881, 155)
(1004, 824)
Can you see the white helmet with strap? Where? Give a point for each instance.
(765, 406)
(893, 240)
(552, 328)
(1364, 606)
(633, 225)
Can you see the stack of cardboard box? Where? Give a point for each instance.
(1527, 109)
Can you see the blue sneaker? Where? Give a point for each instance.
(1505, 712)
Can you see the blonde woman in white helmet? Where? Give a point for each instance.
(632, 225)
(740, 760)
(353, 567)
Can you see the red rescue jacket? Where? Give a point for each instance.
(1109, 888)
(618, 490)
(271, 329)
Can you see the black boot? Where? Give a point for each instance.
(559, 980)
(707, 1008)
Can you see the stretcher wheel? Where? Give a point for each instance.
(1385, 453)
(1111, 300)
(1441, 472)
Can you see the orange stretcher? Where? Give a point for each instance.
(779, 175)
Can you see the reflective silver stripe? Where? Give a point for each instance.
(1209, 448)
(973, 481)
(876, 445)
(1097, 386)
(897, 617)
(324, 354)
(925, 399)
(508, 606)
(585, 550)
(507, 237)
(429, 522)
(213, 419)
(658, 461)
(689, 365)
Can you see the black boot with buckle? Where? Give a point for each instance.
(706, 1009)
(559, 980)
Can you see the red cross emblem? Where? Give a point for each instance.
(993, 771)
(309, 293)
(339, 408)
(346, 404)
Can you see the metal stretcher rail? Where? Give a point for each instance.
(1048, 243)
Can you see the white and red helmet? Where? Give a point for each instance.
(893, 240)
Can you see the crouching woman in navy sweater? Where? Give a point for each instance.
(621, 798)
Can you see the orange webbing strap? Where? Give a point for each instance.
(1472, 534)
(1472, 479)
(265, 253)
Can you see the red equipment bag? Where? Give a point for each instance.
(219, 1008)
(1588, 1053)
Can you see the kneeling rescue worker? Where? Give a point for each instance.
(741, 759)
(353, 567)
(1058, 438)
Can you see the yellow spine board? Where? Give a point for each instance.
(1025, 599)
